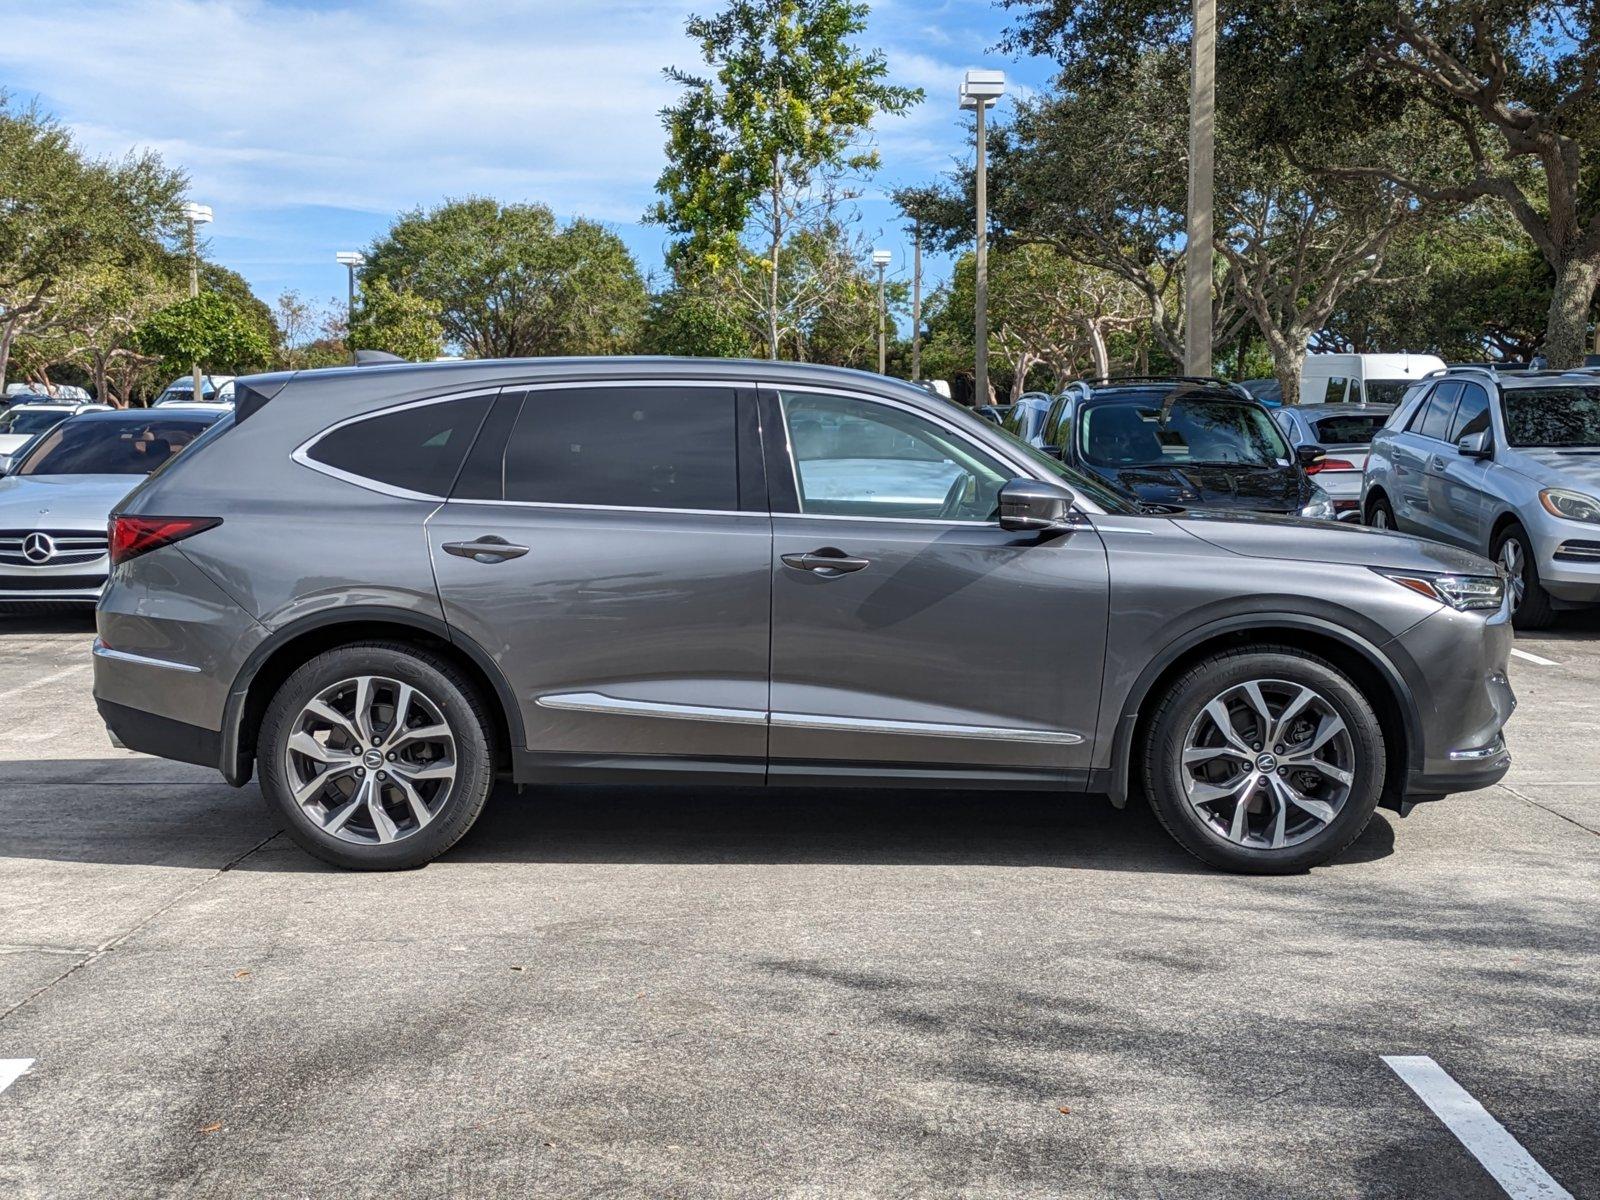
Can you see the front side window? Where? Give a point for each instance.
(1335, 390)
(1472, 414)
(1552, 416)
(622, 446)
(1434, 419)
(418, 449)
(115, 447)
(1189, 431)
(1386, 391)
(856, 458)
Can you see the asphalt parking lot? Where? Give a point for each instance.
(660, 993)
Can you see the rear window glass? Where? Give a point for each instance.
(418, 449)
(622, 446)
(1348, 429)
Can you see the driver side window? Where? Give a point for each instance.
(857, 458)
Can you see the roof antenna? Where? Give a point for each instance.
(376, 358)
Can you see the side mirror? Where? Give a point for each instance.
(1309, 456)
(1475, 445)
(1029, 506)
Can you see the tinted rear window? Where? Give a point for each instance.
(418, 449)
(625, 446)
(1349, 429)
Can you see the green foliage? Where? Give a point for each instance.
(209, 330)
(398, 322)
(788, 98)
(694, 323)
(507, 281)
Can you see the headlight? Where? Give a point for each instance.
(1320, 507)
(1574, 506)
(1464, 593)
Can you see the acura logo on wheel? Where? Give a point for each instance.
(38, 548)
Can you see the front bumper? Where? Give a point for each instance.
(52, 566)
(1568, 556)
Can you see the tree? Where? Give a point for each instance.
(788, 98)
(694, 321)
(1516, 82)
(207, 329)
(506, 281)
(62, 214)
(93, 323)
(399, 322)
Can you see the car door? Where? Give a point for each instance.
(1458, 495)
(608, 545)
(912, 637)
(1414, 450)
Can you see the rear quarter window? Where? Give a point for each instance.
(418, 448)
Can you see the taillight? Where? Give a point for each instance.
(1330, 464)
(133, 536)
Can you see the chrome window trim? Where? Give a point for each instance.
(101, 650)
(302, 453)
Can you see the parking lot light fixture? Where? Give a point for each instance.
(980, 90)
(195, 215)
(880, 259)
(352, 260)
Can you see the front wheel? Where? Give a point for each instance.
(1379, 514)
(1530, 603)
(1264, 761)
(377, 756)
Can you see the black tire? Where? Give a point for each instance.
(1379, 514)
(445, 688)
(1180, 707)
(1535, 611)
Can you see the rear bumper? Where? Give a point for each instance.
(147, 733)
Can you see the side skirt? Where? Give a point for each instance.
(645, 770)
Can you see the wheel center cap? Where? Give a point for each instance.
(373, 759)
(1266, 762)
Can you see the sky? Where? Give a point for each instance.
(308, 126)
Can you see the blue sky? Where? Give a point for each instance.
(307, 126)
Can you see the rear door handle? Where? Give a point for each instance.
(485, 549)
(826, 561)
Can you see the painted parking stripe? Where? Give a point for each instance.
(13, 1069)
(1534, 658)
(1501, 1154)
(57, 677)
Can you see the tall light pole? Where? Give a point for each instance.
(916, 301)
(1202, 169)
(979, 92)
(195, 214)
(880, 259)
(351, 259)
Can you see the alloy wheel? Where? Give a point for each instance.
(1380, 518)
(1514, 562)
(370, 760)
(1268, 763)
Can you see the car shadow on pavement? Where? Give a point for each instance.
(79, 619)
(122, 812)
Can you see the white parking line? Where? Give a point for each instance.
(48, 679)
(1534, 658)
(1501, 1154)
(13, 1069)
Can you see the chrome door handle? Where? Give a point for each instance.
(486, 549)
(826, 561)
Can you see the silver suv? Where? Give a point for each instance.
(380, 588)
(1507, 465)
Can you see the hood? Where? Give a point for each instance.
(13, 441)
(1260, 536)
(62, 501)
(1576, 468)
(1254, 489)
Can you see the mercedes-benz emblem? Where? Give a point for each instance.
(38, 548)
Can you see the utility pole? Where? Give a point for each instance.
(195, 214)
(979, 90)
(880, 259)
(1199, 252)
(916, 301)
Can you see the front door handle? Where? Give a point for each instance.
(485, 549)
(826, 561)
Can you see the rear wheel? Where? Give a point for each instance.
(1530, 603)
(377, 756)
(1379, 514)
(1264, 761)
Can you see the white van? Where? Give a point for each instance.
(1363, 378)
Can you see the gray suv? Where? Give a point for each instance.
(1506, 465)
(380, 588)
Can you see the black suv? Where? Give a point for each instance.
(1188, 441)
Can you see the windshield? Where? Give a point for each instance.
(121, 447)
(1078, 481)
(1552, 416)
(1387, 391)
(1348, 429)
(30, 422)
(1188, 432)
